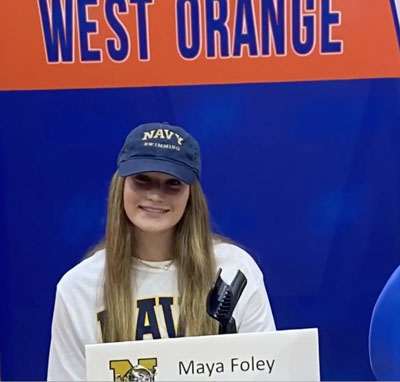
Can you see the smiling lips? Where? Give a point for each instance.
(154, 210)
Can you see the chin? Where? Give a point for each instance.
(151, 228)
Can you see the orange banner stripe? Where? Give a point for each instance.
(366, 34)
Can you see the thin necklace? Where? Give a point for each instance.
(164, 267)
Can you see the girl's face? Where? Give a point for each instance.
(154, 201)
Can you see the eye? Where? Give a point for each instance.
(173, 182)
(141, 178)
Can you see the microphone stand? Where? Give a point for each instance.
(222, 300)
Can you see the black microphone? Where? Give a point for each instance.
(222, 300)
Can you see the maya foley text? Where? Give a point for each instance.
(234, 365)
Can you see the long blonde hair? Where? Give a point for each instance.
(194, 258)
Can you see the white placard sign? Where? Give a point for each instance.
(290, 355)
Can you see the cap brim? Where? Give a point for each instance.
(138, 165)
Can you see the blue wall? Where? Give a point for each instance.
(305, 175)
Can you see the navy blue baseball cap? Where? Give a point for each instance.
(160, 147)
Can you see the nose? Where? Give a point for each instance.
(155, 194)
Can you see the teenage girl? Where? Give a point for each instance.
(151, 276)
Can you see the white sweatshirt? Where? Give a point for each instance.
(78, 306)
